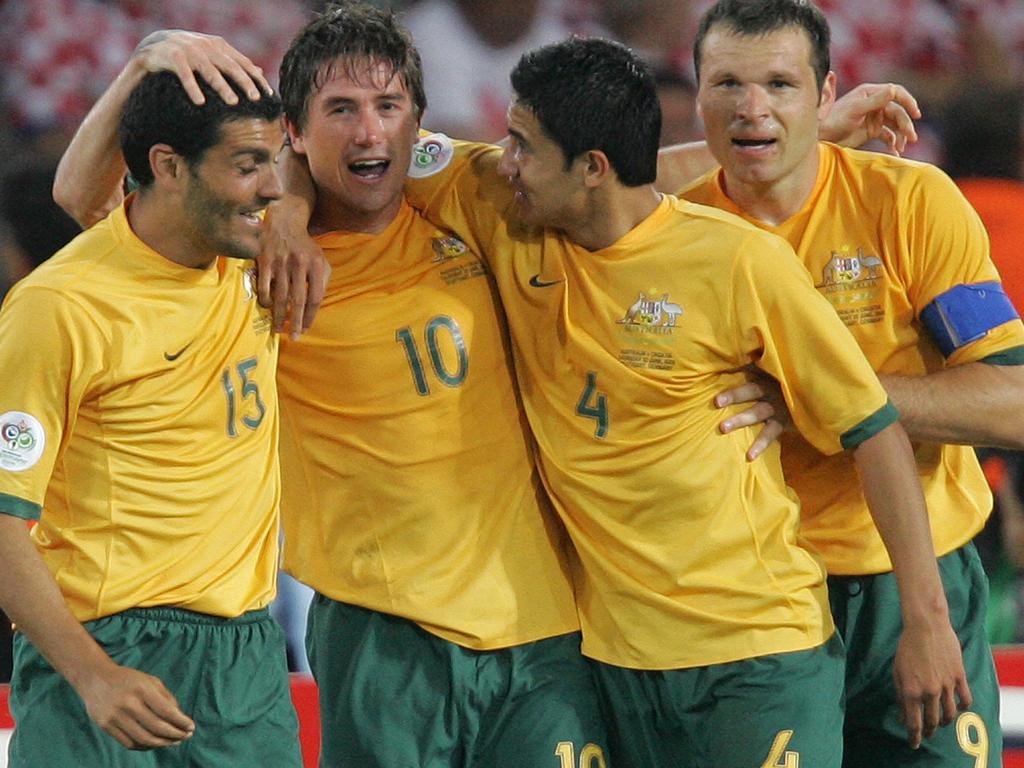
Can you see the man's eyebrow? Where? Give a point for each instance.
(256, 153)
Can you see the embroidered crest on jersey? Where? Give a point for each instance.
(22, 441)
(447, 248)
(430, 155)
(249, 282)
(651, 315)
(262, 319)
(851, 283)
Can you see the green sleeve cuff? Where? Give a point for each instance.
(15, 507)
(1011, 356)
(871, 426)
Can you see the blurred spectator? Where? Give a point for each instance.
(38, 228)
(984, 153)
(677, 95)
(58, 55)
(468, 49)
(661, 31)
(1001, 546)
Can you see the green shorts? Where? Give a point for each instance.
(392, 695)
(867, 614)
(229, 675)
(779, 711)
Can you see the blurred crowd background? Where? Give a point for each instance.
(963, 59)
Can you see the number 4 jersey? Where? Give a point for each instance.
(689, 550)
(139, 419)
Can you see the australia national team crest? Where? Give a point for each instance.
(447, 248)
(852, 282)
(651, 314)
(22, 441)
(262, 320)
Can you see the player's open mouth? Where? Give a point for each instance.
(753, 143)
(369, 169)
(253, 217)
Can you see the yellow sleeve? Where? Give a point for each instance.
(795, 336)
(44, 345)
(947, 246)
(456, 186)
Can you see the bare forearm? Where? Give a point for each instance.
(30, 596)
(888, 476)
(680, 164)
(973, 404)
(90, 174)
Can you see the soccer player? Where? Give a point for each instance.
(708, 624)
(903, 260)
(139, 428)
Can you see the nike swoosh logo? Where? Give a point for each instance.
(171, 358)
(536, 282)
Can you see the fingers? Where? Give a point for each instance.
(748, 392)
(912, 720)
(279, 299)
(297, 299)
(759, 412)
(146, 716)
(905, 99)
(963, 694)
(319, 274)
(772, 431)
(188, 54)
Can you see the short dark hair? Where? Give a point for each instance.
(160, 112)
(353, 32)
(760, 17)
(589, 93)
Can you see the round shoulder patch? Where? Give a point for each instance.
(430, 155)
(22, 441)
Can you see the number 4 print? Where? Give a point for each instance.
(598, 410)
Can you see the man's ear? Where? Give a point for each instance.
(828, 96)
(596, 167)
(168, 167)
(295, 140)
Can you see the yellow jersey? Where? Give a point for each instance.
(139, 425)
(882, 237)
(688, 552)
(409, 481)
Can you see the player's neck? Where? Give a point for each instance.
(613, 213)
(776, 201)
(163, 226)
(331, 215)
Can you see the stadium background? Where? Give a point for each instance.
(964, 59)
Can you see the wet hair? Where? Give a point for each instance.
(761, 17)
(160, 112)
(589, 93)
(348, 34)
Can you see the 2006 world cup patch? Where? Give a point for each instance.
(430, 154)
(22, 441)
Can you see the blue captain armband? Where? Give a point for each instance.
(965, 313)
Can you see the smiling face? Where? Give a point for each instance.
(547, 194)
(761, 106)
(231, 185)
(358, 136)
